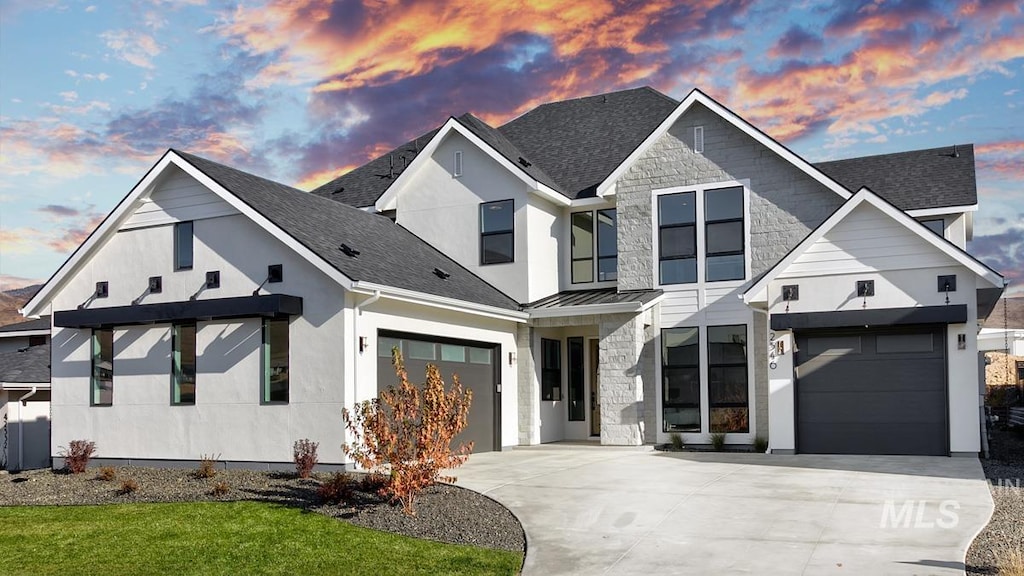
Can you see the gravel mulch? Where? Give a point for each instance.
(445, 513)
(1005, 532)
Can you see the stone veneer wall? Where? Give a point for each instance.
(622, 387)
(528, 388)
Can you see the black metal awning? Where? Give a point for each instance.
(951, 314)
(269, 305)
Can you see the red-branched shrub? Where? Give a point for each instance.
(77, 454)
(304, 454)
(339, 487)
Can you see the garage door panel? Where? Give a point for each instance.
(880, 391)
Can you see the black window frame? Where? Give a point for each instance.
(661, 239)
(576, 405)
(550, 377)
(96, 350)
(708, 223)
(712, 365)
(597, 244)
(573, 259)
(177, 365)
(666, 367)
(511, 232)
(266, 363)
(179, 238)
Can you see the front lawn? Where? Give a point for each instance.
(220, 538)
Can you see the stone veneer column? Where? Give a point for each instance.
(528, 388)
(652, 323)
(622, 393)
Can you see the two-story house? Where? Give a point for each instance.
(619, 268)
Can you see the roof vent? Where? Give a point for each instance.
(339, 190)
(349, 251)
(441, 274)
(526, 163)
(956, 151)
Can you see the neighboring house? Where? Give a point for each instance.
(1001, 340)
(619, 267)
(25, 408)
(24, 334)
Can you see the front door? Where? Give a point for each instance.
(595, 391)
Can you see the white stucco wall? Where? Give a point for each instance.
(227, 419)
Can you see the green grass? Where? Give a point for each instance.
(220, 538)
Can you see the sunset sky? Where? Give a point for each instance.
(92, 93)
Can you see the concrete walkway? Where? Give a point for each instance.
(607, 510)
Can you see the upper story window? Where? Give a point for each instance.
(497, 236)
(702, 235)
(586, 244)
(102, 367)
(183, 246)
(937, 225)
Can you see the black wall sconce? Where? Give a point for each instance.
(101, 290)
(865, 288)
(213, 279)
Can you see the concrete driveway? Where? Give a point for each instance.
(608, 510)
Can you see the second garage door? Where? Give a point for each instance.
(475, 364)
(872, 391)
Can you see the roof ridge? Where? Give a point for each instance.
(917, 151)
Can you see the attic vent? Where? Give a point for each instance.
(349, 251)
(526, 163)
(457, 168)
(698, 139)
(441, 274)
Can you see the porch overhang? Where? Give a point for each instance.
(267, 305)
(599, 301)
(951, 314)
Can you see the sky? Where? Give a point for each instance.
(92, 93)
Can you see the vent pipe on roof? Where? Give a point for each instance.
(956, 152)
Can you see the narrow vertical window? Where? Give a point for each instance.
(275, 361)
(183, 364)
(577, 406)
(698, 139)
(607, 251)
(582, 247)
(183, 246)
(457, 168)
(677, 238)
(724, 236)
(497, 238)
(680, 377)
(551, 369)
(102, 367)
(727, 379)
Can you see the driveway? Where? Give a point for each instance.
(609, 510)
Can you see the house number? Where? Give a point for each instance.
(771, 351)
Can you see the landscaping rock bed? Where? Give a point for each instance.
(445, 513)
(1004, 470)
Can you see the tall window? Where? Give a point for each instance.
(677, 238)
(275, 361)
(582, 247)
(497, 238)
(607, 251)
(183, 246)
(723, 236)
(102, 367)
(577, 408)
(183, 364)
(727, 378)
(551, 369)
(680, 376)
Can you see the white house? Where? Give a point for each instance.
(25, 395)
(619, 268)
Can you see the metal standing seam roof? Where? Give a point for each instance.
(573, 298)
(26, 366)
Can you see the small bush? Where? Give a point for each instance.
(1010, 561)
(128, 486)
(718, 441)
(373, 483)
(220, 489)
(677, 440)
(207, 466)
(77, 454)
(304, 454)
(337, 489)
(106, 473)
(760, 444)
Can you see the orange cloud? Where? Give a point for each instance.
(1006, 158)
(311, 181)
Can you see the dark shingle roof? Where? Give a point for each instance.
(571, 146)
(42, 323)
(26, 366)
(389, 254)
(915, 180)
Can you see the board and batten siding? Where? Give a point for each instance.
(178, 198)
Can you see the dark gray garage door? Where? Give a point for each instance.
(872, 391)
(474, 362)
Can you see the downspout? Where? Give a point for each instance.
(21, 429)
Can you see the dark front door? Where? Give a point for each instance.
(872, 391)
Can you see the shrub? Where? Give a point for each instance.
(77, 454)
(718, 441)
(106, 473)
(128, 485)
(760, 444)
(336, 489)
(304, 454)
(1010, 561)
(220, 489)
(408, 431)
(207, 466)
(677, 440)
(373, 483)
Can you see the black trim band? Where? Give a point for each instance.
(273, 305)
(952, 314)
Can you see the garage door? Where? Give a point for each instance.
(872, 391)
(474, 362)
